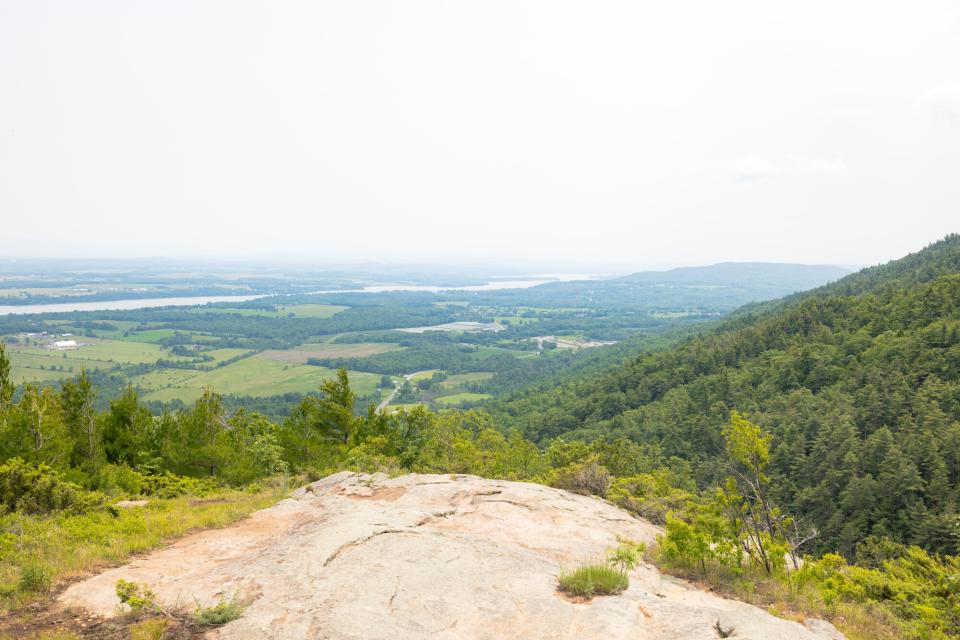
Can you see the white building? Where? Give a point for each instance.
(65, 345)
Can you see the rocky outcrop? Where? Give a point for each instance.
(430, 556)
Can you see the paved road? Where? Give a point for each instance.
(396, 389)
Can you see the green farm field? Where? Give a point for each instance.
(460, 398)
(112, 351)
(330, 350)
(20, 375)
(423, 375)
(259, 377)
(222, 355)
(460, 379)
(282, 311)
(149, 335)
(30, 359)
(163, 378)
(486, 352)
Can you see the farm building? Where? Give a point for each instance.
(65, 345)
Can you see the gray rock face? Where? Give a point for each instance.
(429, 556)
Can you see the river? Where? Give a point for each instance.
(190, 301)
(119, 305)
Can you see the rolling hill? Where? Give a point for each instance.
(717, 289)
(858, 381)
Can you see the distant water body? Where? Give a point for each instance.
(190, 301)
(119, 305)
(494, 285)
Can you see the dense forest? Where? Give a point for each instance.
(858, 382)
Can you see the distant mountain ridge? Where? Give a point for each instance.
(795, 277)
(712, 290)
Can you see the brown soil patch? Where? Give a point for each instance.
(47, 616)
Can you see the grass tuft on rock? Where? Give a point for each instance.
(221, 613)
(594, 579)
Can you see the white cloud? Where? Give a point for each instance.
(942, 102)
(753, 168)
(806, 164)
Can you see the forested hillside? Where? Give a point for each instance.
(858, 382)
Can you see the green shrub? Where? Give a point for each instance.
(921, 590)
(35, 578)
(221, 613)
(594, 579)
(168, 485)
(650, 495)
(586, 478)
(136, 596)
(628, 555)
(30, 489)
(119, 479)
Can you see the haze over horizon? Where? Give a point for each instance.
(552, 133)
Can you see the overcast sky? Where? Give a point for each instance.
(633, 133)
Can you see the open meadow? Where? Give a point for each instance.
(258, 376)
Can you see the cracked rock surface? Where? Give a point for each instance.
(429, 556)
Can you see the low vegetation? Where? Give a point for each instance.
(38, 551)
(221, 613)
(603, 577)
(594, 579)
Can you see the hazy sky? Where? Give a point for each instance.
(640, 133)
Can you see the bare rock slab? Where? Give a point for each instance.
(354, 556)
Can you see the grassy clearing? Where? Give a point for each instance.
(39, 551)
(264, 313)
(330, 350)
(20, 375)
(460, 379)
(150, 335)
(43, 359)
(163, 378)
(222, 355)
(515, 320)
(593, 579)
(260, 377)
(460, 398)
(423, 375)
(111, 351)
(311, 310)
(485, 352)
(297, 310)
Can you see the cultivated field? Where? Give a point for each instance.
(329, 350)
(282, 311)
(459, 379)
(460, 398)
(260, 377)
(111, 351)
(31, 364)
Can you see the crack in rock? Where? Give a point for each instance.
(358, 541)
(513, 502)
(393, 597)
